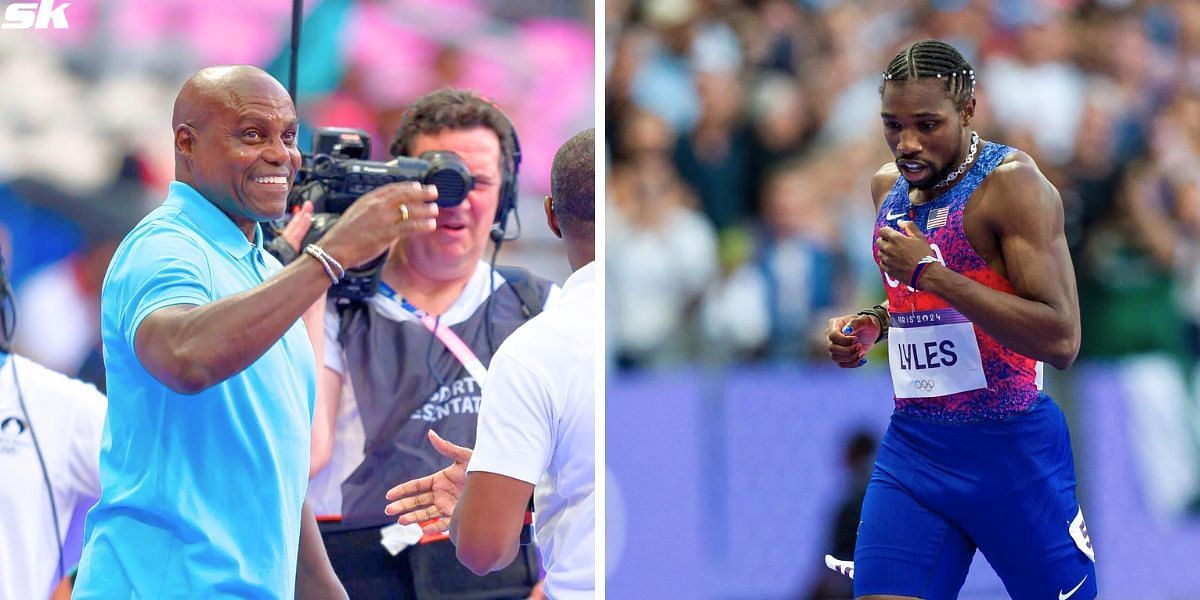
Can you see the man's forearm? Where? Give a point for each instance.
(478, 552)
(487, 522)
(1030, 327)
(314, 574)
(195, 347)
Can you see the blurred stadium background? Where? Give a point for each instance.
(741, 135)
(85, 120)
(85, 136)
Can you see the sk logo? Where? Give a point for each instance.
(40, 15)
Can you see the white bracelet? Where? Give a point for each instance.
(314, 252)
(332, 267)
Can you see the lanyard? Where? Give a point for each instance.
(453, 343)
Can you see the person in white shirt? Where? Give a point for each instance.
(536, 422)
(50, 432)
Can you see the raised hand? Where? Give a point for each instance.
(899, 251)
(297, 227)
(433, 496)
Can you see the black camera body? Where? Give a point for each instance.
(339, 165)
(338, 172)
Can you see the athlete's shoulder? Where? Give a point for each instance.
(1018, 172)
(883, 180)
(1018, 180)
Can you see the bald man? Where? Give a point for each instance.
(206, 446)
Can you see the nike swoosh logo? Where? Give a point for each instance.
(894, 216)
(1062, 596)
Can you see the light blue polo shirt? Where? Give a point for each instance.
(201, 494)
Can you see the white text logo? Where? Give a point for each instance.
(40, 15)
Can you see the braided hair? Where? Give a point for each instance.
(934, 59)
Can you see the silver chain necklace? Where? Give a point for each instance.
(963, 167)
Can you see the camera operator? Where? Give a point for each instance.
(537, 424)
(411, 358)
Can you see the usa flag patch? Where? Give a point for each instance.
(937, 218)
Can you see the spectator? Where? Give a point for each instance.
(661, 251)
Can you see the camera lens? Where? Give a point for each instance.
(450, 175)
(452, 189)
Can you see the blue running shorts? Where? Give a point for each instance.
(939, 491)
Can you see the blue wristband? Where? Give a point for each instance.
(919, 269)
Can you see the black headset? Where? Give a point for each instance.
(8, 326)
(507, 205)
(508, 187)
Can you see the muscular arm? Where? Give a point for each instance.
(191, 348)
(1042, 320)
(486, 527)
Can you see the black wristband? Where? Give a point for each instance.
(880, 313)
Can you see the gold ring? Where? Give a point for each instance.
(403, 212)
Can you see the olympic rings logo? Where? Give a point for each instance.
(925, 385)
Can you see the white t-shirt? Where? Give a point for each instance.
(68, 418)
(537, 424)
(656, 273)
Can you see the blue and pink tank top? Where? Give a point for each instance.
(944, 367)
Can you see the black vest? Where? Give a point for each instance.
(406, 382)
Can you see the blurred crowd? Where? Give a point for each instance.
(85, 137)
(741, 136)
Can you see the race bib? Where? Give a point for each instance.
(933, 353)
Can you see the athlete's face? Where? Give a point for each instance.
(924, 129)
